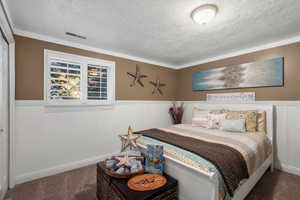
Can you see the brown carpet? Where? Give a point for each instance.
(80, 184)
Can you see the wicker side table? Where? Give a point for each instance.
(109, 188)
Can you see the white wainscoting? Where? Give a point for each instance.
(287, 130)
(50, 140)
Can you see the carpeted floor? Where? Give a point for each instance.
(80, 184)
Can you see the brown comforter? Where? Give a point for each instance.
(230, 162)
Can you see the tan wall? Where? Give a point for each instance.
(290, 90)
(30, 72)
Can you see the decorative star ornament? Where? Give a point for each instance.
(157, 85)
(129, 140)
(137, 77)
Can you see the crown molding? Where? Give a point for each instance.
(242, 52)
(144, 60)
(88, 48)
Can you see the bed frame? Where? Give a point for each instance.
(197, 185)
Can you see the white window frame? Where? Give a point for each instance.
(84, 61)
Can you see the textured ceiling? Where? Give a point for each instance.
(160, 30)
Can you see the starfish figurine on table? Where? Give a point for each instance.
(124, 160)
(129, 139)
(157, 85)
(137, 76)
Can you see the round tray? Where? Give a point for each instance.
(146, 182)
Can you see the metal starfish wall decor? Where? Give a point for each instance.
(157, 85)
(137, 76)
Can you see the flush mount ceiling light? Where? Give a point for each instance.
(204, 13)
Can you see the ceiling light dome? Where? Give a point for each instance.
(204, 13)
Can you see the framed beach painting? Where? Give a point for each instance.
(265, 73)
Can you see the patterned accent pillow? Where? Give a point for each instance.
(250, 116)
(200, 116)
(261, 121)
(214, 120)
(237, 125)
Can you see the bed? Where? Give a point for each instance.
(201, 177)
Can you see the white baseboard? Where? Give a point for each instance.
(59, 169)
(290, 169)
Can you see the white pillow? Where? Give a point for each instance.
(214, 120)
(200, 121)
(238, 125)
(200, 117)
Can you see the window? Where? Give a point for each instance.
(77, 80)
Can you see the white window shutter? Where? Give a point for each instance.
(97, 82)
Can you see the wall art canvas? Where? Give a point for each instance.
(154, 159)
(257, 74)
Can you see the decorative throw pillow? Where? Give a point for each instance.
(236, 125)
(219, 111)
(214, 120)
(261, 121)
(200, 117)
(250, 116)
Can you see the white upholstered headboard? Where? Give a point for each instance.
(261, 107)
